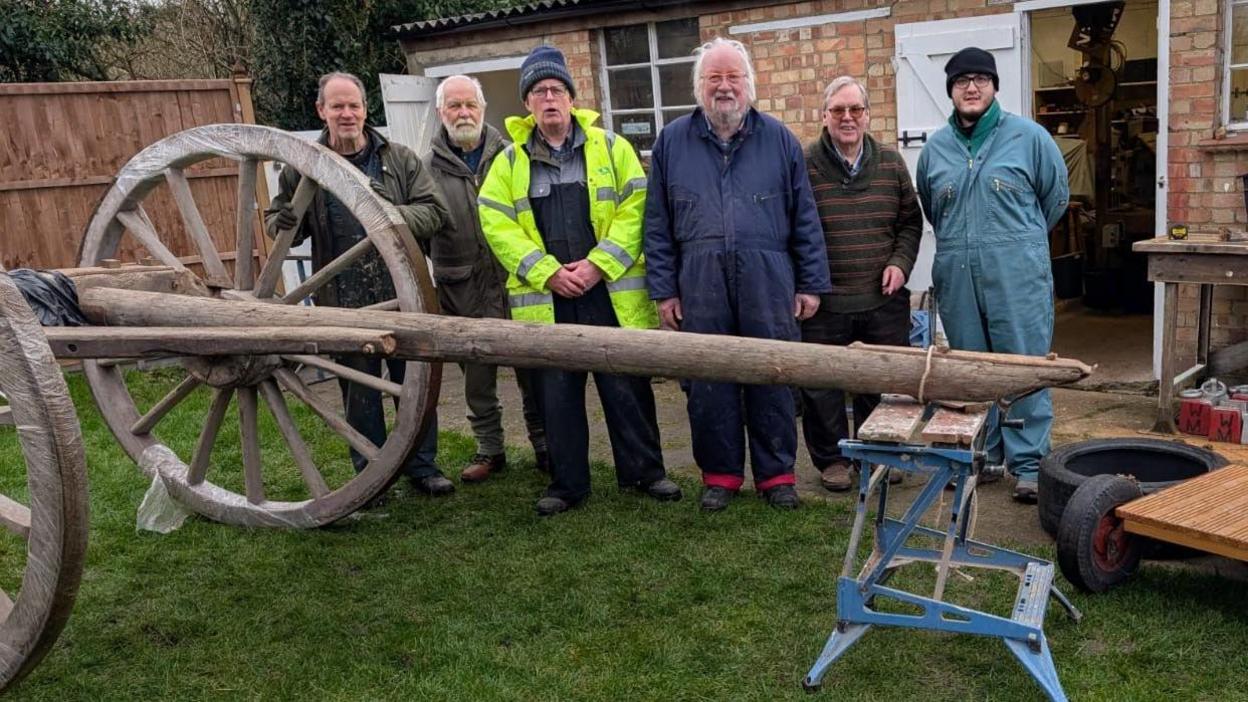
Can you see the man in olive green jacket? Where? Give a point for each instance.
(399, 176)
(471, 283)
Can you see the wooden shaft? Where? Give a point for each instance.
(272, 271)
(950, 375)
(317, 280)
(154, 342)
(168, 402)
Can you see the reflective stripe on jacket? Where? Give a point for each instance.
(617, 198)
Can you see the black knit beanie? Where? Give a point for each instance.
(970, 60)
(544, 62)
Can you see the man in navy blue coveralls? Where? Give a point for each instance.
(734, 246)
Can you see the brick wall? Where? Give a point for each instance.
(795, 65)
(1204, 162)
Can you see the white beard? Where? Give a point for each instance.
(465, 135)
(725, 119)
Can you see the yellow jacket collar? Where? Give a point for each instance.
(520, 128)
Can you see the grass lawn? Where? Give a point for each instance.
(475, 598)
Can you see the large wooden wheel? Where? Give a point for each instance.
(46, 504)
(244, 481)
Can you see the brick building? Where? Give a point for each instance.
(631, 62)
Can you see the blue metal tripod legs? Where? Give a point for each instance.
(1022, 632)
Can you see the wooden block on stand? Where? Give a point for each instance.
(954, 427)
(893, 421)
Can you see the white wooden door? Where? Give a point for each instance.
(411, 112)
(922, 49)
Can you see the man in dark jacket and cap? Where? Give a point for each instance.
(471, 283)
(733, 244)
(397, 175)
(993, 184)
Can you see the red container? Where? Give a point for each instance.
(1194, 416)
(1226, 424)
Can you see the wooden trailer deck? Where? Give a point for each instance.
(1209, 513)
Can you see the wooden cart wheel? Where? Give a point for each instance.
(322, 496)
(48, 509)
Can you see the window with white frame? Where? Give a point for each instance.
(648, 77)
(1235, 94)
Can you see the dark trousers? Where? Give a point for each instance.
(824, 422)
(627, 406)
(366, 414)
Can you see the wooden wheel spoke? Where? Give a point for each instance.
(384, 306)
(355, 376)
(298, 447)
(141, 228)
(272, 271)
(14, 516)
(215, 272)
(245, 225)
(6, 605)
(292, 384)
(249, 427)
(318, 279)
(168, 402)
(6, 416)
(208, 437)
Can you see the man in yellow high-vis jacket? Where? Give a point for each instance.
(562, 210)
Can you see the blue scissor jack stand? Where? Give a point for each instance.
(1022, 632)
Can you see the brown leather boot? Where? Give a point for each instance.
(838, 476)
(481, 467)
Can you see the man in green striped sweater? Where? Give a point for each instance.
(872, 225)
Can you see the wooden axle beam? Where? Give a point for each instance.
(942, 375)
(158, 342)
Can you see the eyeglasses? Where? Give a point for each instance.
(554, 91)
(854, 111)
(718, 78)
(981, 81)
(457, 106)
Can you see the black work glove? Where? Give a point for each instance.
(286, 218)
(380, 189)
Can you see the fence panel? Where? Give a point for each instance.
(63, 143)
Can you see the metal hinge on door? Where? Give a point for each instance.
(906, 137)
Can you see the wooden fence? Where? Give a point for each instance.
(63, 143)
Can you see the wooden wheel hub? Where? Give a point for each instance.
(229, 372)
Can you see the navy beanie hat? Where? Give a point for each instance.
(544, 62)
(970, 60)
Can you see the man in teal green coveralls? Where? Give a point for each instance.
(992, 184)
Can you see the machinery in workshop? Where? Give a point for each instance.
(1123, 161)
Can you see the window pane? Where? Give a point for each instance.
(1239, 95)
(631, 89)
(638, 129)
(626, 45)
(677, 38)
(670, 116)
(676, 84)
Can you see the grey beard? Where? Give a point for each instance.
(465, 137)
(723, 121)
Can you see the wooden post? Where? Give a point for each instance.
(247, 114)
(944, 375)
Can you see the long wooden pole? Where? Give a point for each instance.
(947, 375)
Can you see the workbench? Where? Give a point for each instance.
(943, 445)
(1203, 263)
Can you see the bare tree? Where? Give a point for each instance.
(190, 39)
